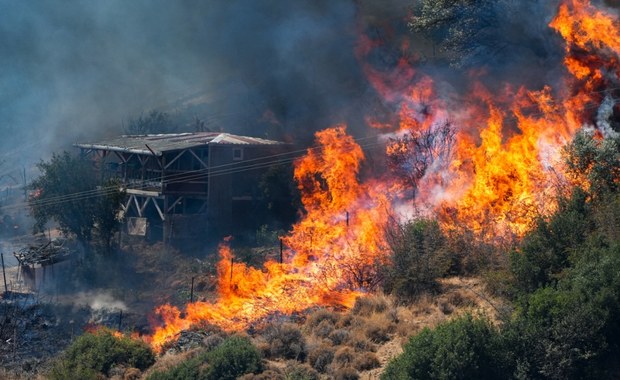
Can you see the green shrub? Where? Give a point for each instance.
(464, 348)
(236, 356)
(96, 353)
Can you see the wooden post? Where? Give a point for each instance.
(232, 264)
(281, 251)
(191, 292)
(347, 219)
(120, 320)
(6, 288)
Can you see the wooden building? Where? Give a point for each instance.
(187, 184)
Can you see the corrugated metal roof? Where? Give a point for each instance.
(172, 141)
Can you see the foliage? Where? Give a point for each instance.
(68, 192)
(153, 122)
(419, 255)
(232, 358)
(474, 32)
(594, 162)
(464, 348)
(96, 353)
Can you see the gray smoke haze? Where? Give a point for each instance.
(77, 70)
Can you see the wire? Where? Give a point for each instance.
(181, 177)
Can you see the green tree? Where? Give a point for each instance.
(70, 192)
(474, 32)
(419, 255)
(153, 122)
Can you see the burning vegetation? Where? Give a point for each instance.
(522, 178)
(491, 164)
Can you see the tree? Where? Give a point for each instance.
(470, 32)
(153, 122)
(419, 255)
(69, 192)
(411, 155)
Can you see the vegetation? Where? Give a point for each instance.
(153, 122)
(95, 354)
(69, 192)
(419, 255)
(564, 284)
(234, 357)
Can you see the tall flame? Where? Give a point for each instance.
(330, 256)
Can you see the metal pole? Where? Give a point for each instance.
(6, 288)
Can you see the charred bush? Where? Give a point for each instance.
(339, 336)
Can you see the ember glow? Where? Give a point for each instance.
(490, 163)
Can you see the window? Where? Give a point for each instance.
(237, 154)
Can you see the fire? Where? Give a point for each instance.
(331, 252)
(488, 162)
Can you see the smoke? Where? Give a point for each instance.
(76, 71)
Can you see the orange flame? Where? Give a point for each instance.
(330, 254)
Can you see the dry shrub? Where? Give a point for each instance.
(285, 341)
(366, 361)
(321, 357)
(270, 374)
(345, 321)
(168, 361)
(457, 299)
(346, 373)
(212, 341)
(132, 374)
(339, 336)
(320, 315)
(299, 371)
(360, 343)
(324, 328)
(367, 305)
(445, 307)
(379, 327)
(343, 357)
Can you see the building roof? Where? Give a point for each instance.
(160, 143)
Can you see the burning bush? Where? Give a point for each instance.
(96, 353)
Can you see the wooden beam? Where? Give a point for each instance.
(175, 158)
(199, 160)
(176, 202)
